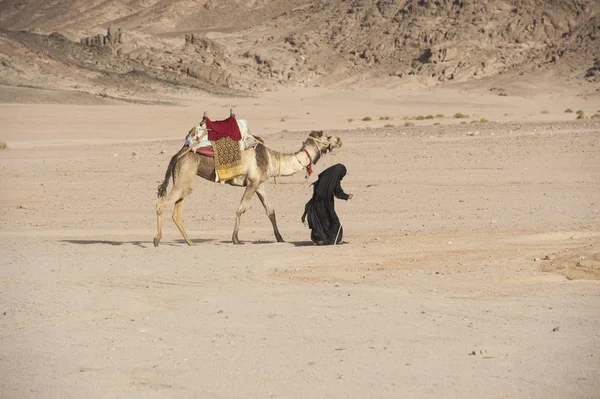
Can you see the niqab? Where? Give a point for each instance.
(320, 211)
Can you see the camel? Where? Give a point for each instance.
(259, 164)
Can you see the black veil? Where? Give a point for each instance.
(320, 210)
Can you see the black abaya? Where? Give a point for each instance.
(320, 212)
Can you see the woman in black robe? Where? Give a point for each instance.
(320, 211)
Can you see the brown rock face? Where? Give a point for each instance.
(112, 38)
(272, 43)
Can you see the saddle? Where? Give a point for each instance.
(200, 139)
(223, 141)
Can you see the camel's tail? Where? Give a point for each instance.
(170, 173)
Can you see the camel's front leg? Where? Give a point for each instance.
(250, 190)
(262, 195)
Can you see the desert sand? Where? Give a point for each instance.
(471, 268)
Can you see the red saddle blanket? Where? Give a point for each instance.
(225, 128)
(206, 151)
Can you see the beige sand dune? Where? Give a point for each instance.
(459, 279)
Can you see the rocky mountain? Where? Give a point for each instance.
(236, 45)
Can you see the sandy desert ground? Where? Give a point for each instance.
(472, 267)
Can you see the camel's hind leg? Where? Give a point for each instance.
(177, 195)
(250, 190)
(160, 208)
(183, 176)
(177, 212)
(262, 195)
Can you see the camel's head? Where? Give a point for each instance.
(324, 142)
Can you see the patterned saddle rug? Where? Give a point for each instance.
(228, 158)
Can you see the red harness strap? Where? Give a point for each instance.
(309, 166)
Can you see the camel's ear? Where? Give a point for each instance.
(316, 134)
(231, 114)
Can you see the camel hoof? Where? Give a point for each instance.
(156, 241)
(280, 239)
(237, 242)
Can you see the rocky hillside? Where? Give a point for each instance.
(449, 40)
(236, 45)
(150, 16)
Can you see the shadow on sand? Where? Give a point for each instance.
(302, 243)
(310, 243)
(196, 241)
(257, 242)
(141, 244)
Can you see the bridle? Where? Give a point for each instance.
(310, 160)
(310, 163)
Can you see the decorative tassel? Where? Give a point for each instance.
(309, 166)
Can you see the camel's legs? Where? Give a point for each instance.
(177, 212)
(250, 190)
(160, 208)
(176, 195)
(184, 173)
(262, 195)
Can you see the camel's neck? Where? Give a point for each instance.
(290, 164)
